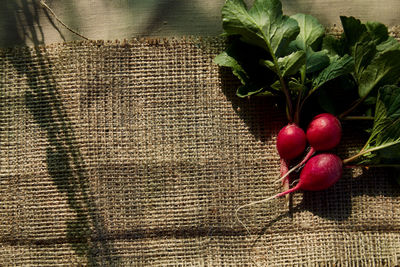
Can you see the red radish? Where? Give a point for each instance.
(319, 173)
(291, 142)
(323, 133)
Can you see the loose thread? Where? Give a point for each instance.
(60, 21)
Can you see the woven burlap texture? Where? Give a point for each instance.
(137, 153)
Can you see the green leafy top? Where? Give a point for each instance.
(293, 52)
(358, 73)
(385, 134)
(273, 54)
(376, 54)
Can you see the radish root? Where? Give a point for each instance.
(248, 205)
(297, 187)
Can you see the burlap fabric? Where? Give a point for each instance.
(138, 153)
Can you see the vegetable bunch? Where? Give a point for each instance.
(354, 77)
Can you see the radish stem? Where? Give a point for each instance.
(352, 108)
(361, 118)
(365, 151)
(307, 157)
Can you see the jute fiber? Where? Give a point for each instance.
(137, 153)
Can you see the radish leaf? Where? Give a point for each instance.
(383, 69)
(225, 60)
(376, 54)
(383, 145)
(316, 61)
(289, 65)
(249, 89)
(338, 67)
(334, 46)
(353, 29)
(263, 25)
(253, 76)
(309, 40)
(386, 128)
(311, 32)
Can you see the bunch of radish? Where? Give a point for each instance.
(320, 171)
(293, 59)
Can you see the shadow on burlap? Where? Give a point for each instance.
(139, 152)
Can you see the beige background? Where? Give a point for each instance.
(24, 21)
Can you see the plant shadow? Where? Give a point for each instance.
(260, 114)
(336, 203)
(22, 24)
(85, 232)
